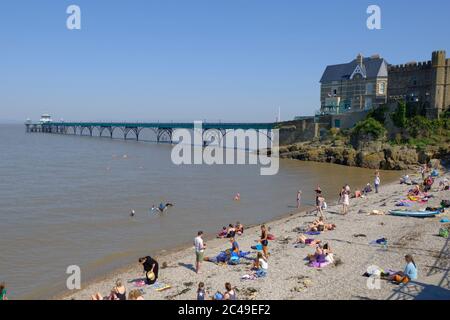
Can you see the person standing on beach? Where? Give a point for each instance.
(199, 251)
(319, 201)
(151, 269)
(377, 181)
(264, 241)
(345, 201)
(299, 198)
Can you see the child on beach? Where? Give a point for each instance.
(377, 181)
(345, 202)
(410, 272)
(239, 228)
(201, 291)
(264, 241)
(260, 264)
(299, 198)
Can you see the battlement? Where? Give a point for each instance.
(412, 66)
(438, 58)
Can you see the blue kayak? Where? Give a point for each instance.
(416, 214)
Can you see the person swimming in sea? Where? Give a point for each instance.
(163, 207)
(132, 213)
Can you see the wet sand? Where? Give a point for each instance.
(290, 278)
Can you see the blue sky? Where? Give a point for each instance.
(228, 60)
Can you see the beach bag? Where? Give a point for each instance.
(445, 203)
(324, 206)
(443, 232)
(270, 237)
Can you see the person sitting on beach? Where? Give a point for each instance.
(320, 225)
(260, 264)
(135, 295)
(231, 231)
(230, 293)
(314, 226)
(151, 269)
(318, 252)
(239, 228)
(118, 292)
(234, 246)
(302, 239)
(367, 189)
(414, 191)
(223, 233)
(410, 272)
(3, 292)
(322, 254)
(428, 183)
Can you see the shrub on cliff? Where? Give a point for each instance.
(379, 114)
(368, 129)
(399, 115)
(420, 126)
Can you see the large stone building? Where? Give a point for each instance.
(355, 86)
(367, 83)
(427, 83)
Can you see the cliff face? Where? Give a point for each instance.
(374, 155)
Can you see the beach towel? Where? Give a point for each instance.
(160, 286)
(379, 242)
(257, 247)
(445, 220)
(318, 265)
(403, 204)
(256, 275)
(139, 283)
(312, 233)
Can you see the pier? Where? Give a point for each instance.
(160, 129)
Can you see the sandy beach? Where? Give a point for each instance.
(289, 276)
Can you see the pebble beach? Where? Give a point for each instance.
(290, 278)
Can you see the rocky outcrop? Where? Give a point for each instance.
(377, 156)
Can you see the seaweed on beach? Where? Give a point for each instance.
(249, 292)
(173, 296)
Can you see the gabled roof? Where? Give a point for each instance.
(373, 68)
